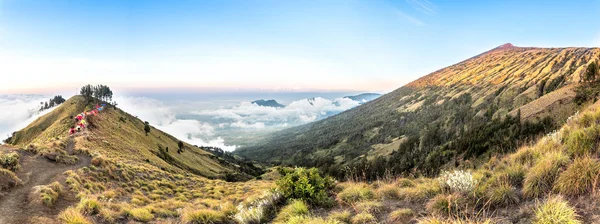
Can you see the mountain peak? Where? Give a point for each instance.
(505, 46)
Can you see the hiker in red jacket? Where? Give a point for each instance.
(72, 130)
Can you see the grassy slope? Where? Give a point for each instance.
(114, 138)
(553, 180)
(126, 182)
(510, 78)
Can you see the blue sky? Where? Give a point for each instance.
(267, 45)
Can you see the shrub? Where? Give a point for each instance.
(305, 184)
(458, 181)
(579, 178)
(363, 218)
(203, 216)
(445, 204)
(72, 216)
(582, 141)
(555, 210)
(354, 193)
(503, 195)
(342, 216)
(294, 208)
(10, 161)
(542, 175)
(403, 215)
(141, 214)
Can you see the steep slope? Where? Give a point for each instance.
(117, 134)
(453, 114)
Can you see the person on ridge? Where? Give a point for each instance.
(72, 130)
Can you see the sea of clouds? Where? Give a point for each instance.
(197, 126)
(17, 111)
(211, 127)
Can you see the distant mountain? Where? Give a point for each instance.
(487, 104)
(364, 97)
(268, 103)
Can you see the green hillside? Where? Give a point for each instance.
(119, 135)
(487, 104)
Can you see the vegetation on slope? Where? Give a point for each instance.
(465, 111)
(119, 135)
(553, 180)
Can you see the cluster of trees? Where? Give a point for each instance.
(181, 147)
(146, 127)
(592, 72)
(100, 92)
(589, 88)
(54, 101)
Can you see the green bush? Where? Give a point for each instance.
(305, 184)
(10, 161)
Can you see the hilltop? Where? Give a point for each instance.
(117, 134)
(112, 172)
(488, 104)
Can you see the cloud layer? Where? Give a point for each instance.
(164, 118)
(251, 116)
(18, 111)
(206, 127)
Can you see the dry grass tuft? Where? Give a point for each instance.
(542, 175)
(73, 216)
(579, 178)
(555, 210)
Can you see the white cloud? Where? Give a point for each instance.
(410, 19)
(18, 111)
(423, 6)
(251, 116)
(162, 117)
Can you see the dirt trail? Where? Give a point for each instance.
(35, 170)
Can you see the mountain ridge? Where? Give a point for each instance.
(473, 94)
(117, 134)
